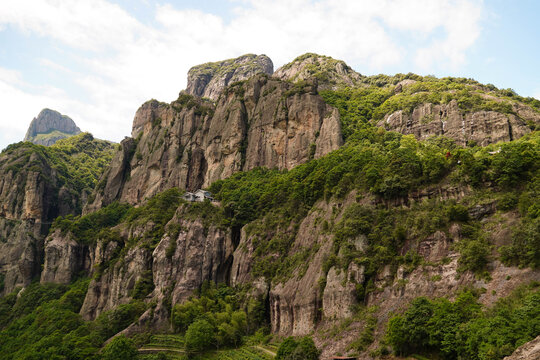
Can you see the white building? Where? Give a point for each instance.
(199, 195)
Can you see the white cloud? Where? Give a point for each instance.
(88, 25)
(121, 62)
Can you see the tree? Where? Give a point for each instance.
(286, 348)
(199, 336)
(304, 349)
(121, 348)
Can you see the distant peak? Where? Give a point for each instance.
(49, 127)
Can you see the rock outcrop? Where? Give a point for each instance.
(49, 127)
(208, 80)
(330, 73)
(64, 259)
(482, 127)
(191, 143)
(528, 351)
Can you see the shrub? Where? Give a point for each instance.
(143, 286)
(525, 248)
(303, 349)
(474, 255)
(199, 336)
(457, 212)
(120, 348)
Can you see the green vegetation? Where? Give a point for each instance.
(323, 68)
(157, 211)
(525, 247)
(220, 67)
(89, 228)
(464, 329)
(383, 169)
(44, 323)
(54, 134)
(201, 107)
(120, 348)
(302, 349)
(217, 318)
(388, 166)
(79, 160)
(362, 105)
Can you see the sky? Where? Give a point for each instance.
(97, 61)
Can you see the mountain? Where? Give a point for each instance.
(49, 127)
(373, 214)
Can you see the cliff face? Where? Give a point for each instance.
(30, 194)
(49, 127)
(191, 143)
(482, 127)
(190, 253)
(208, 80)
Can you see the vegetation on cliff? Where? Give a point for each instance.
(365, 105)
(79, 160)
(44, 323)
(464, 329)
(381, 177)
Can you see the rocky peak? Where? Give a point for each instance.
(49, 127)
(329, 72)
(209, 79)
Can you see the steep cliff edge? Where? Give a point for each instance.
(49, 127)
(208, 80)
(191, 143)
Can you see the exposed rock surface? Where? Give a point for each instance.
(49, 127)
(329, 72)
(528, 351)
(178, 266)
(115, 285)
(64, 259)
(482, 127)
(200, 254)
(191, 143)
(208, 80)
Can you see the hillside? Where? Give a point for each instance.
(375, 215)
(38, 184)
